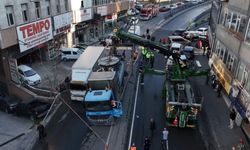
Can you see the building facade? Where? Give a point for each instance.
(229, 33)
(35, 30)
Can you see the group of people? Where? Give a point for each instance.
(147, 141)
(148, 56)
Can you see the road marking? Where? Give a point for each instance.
(63, 117)
(161, 22)
(110, 131)
(133, 118)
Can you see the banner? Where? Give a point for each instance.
(33, 34)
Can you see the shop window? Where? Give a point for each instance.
(223, 17)
(247, 36)
(217, 49)
(225, 56)
(38, 10)
(243, 22)
(25, 12)
(228, 20)
(10, 15)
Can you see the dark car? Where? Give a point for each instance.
(8, 103)
(34, 108)
(179, 32)
(189, 52)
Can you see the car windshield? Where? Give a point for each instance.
(29, 73)
(98, 106)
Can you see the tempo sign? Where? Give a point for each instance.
(34, 34)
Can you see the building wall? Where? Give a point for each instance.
(227, 38)
(239, 5)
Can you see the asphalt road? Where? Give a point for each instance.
(151, 105)
(70, 132)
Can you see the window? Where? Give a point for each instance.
(37, 9)
(58, 10)
(48, 7)
(243, 23)
(25, 12)
(66, 5)
(9, 15)
(240, 71)
(228, 20)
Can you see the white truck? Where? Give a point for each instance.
(82, 69)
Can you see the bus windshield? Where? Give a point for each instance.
(98, 106)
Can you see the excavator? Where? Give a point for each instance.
(182, 107)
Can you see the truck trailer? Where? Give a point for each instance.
(82, 69)
(149, 11)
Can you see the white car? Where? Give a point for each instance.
(173, 6)
(28, 75)
(191, 34)
(132, 12)
(202, 31)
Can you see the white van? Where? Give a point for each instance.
(70, 53)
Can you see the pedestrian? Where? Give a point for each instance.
(152, 124)
(41, 131)
(141, 71)
(146, 143)
(232, 118)
(135, 54)
(219, 90)
(124, 55)
(165, 138)
(152, 59)
(204, 50)
(133, 147)
(148, 56)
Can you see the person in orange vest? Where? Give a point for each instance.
(133, 147)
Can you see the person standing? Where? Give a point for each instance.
(152, 126)
(152, 59)
(232, 118)
(146, 143)
(165, 138)
(219, 90)
(41, 131)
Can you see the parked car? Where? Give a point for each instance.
(132, 12)
(138, 6)
(202, 31)
(191, 34)
(179, 4)
(7, 103)
(81, 48)
(173, 6)
(178, 39)
(28, 75)
(164, 8)
(189, 52)
(34, 109)
(179, 32)
(68, 53)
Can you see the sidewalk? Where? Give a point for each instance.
(215, 117)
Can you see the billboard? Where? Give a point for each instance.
(33, 34)
(62, 22)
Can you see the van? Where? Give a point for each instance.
(70, 53)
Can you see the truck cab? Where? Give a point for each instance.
(101, 107)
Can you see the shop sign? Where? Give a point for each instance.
(83, 15)
(33, 34)
(110, 18)
(87, 3)
(102, 10)
(13, 70)
(62, 22)
(222, 73)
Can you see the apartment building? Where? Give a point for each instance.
(229, 36)
(34, 30)
(95, 18)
